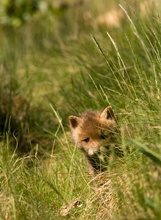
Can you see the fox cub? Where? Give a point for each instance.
(95, 134)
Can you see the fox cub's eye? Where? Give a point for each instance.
(86, 140)
(103, 136)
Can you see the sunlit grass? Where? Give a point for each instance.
(64, 68)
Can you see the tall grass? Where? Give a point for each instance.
(64, 66)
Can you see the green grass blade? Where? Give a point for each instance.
(146, 151)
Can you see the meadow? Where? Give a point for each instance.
(77, 56)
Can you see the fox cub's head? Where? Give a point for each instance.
(94, 131)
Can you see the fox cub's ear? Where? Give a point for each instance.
(74, 121)
(108, 113)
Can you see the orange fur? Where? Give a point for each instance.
(95, 133)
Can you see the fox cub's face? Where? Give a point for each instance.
(93, 132)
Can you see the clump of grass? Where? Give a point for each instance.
(71, 73)
(40, 191)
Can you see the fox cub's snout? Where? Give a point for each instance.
(95, 133)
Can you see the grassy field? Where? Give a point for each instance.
(89, 56)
